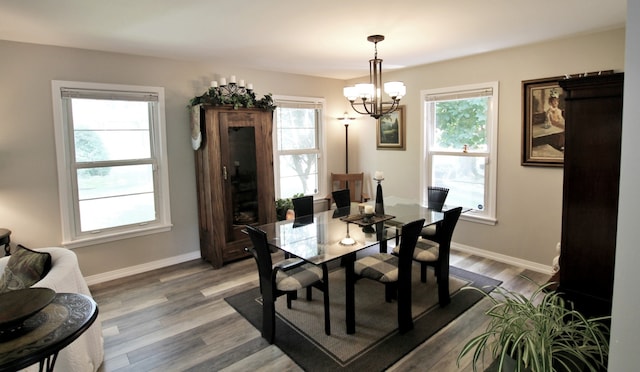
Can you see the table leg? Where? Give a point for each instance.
(350, 279)
(382, 240)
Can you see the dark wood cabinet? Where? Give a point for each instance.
(590, 190)
(234, 173)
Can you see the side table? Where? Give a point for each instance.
(5, 239)
(47, 332)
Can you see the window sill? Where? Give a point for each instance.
(486, 220)
(93, 240)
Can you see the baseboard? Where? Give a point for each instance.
(132, 270)
(530, 265)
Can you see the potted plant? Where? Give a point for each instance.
(540, 333)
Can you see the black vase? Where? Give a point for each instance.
(379, 201)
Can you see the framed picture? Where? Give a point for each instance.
(390, 133)
(543, 122)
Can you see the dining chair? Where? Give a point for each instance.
(436, 197)
(352, 181)
(394, 271)
(285, 277)
(435, 252)
(303, 206)
(342, 198)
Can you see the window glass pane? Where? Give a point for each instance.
(461, 122)
(298, 174)
(114, 196)
(296, 129)
(110, 130)
(96, 214)
(464, 176)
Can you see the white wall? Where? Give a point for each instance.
(529, 202)
(28, 186)
(625, 330)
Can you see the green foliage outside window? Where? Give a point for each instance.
(462, 122)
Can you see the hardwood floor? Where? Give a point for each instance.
(176, 319)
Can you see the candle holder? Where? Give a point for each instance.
(379, 198)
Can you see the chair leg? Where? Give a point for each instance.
(443, 290)
(405, 318)
(390, 291)
(290, 297)
(268, 318)
(309, 296)
(325, 290)
(423, 272)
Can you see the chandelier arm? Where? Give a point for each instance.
(364, 106)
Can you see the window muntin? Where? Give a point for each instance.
(460, 135)
(113, 179)
(298, 146)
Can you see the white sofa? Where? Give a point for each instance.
(87, 352)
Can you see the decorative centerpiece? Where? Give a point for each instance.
(236, 94)
(379, 177)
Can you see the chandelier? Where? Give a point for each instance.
(366, 99)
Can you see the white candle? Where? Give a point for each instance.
(250, 86)
(379, 175)
(232, 79)
(241, 84)
(368, 209)
(223, 82)
(214, 84)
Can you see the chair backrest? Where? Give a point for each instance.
(408, 240)
(261, 253)
(444, 233)
(342, 198)
(355, 183)
(303, 206)
(436, 197)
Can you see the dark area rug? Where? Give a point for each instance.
(376, 344)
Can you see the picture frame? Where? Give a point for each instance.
(543, 122)
(542, 131)
(390, 130)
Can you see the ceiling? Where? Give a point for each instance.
(326, 38)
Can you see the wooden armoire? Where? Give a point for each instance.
(234, 175)
(593, 132)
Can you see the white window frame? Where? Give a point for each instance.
(488, 214)
(67, 186)
(320, 151)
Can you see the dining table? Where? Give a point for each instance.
(338, 234)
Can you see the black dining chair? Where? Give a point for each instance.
(285, 277)
(394, 271)
(342, 198)
(436, 196)
(435, 252)
(303, 206)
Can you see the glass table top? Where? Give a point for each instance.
(324, 237)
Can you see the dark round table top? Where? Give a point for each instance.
(48, 331)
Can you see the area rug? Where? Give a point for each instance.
(376, 344)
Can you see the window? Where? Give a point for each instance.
(298, 148)
(112, 170)
(460, 147)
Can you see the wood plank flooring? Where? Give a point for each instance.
(176, 319)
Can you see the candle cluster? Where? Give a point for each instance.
(232, 83)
